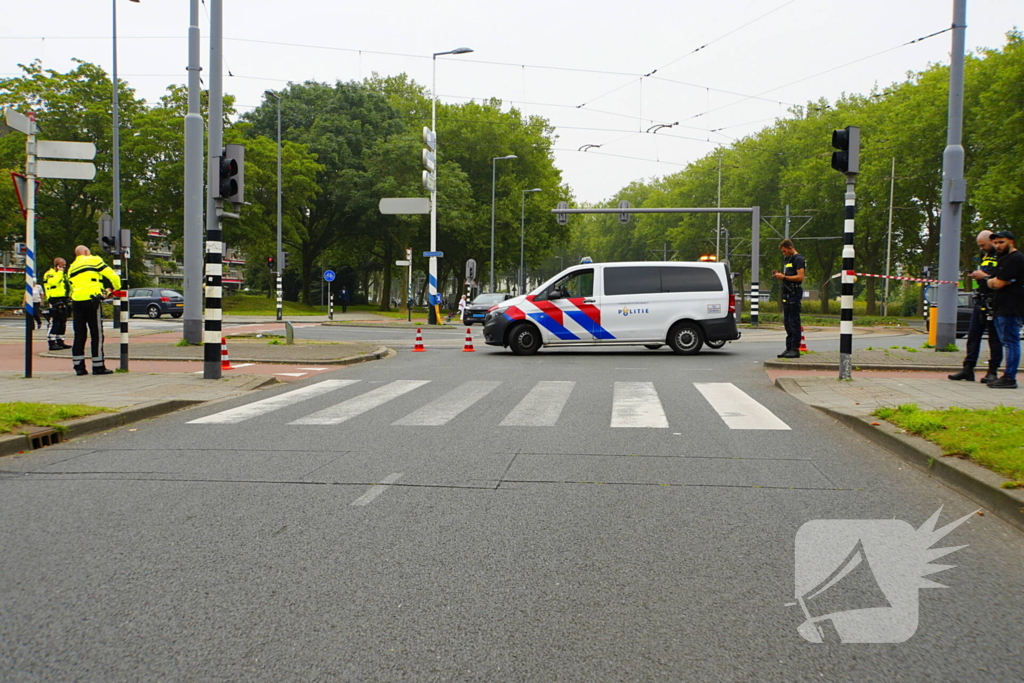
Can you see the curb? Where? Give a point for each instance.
(963, 476)
(779, 365)
(377, 354)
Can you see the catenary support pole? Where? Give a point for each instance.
(212, 316)
(192, 332)
(954, 190)
(280, 256)
(846, 293)
(888, 240)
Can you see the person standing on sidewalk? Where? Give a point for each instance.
(1008, 283)
(344, 297)
(792, 276)
(982, 318)
(37, 304)
(90, 279)
(55, 282)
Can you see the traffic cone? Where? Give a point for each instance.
(225, 361)
(469, 340)
(419, 341)
(803, 345)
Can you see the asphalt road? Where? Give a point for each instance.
(578, 515)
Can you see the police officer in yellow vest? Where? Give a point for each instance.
(55, 283)
(91, 279)
(982, 316)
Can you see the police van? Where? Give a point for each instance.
(650, 303)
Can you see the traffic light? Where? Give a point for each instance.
(108, 240)
(847, 141)
(270, 263)
(229, 184)
(284, 260)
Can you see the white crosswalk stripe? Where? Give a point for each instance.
(251, 410)
(636, 404)
(541, 407)
(737, 409)
(354, 407)
(442, 410)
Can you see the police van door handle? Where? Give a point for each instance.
(589, 301)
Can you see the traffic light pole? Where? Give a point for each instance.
(125, 313)
(846, 292)
(212, 315)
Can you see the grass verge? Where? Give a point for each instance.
(246, 304)
(16, 415)
(992, 438)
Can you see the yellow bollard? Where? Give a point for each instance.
(933, 325)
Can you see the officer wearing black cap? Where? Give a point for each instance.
(1008, 283)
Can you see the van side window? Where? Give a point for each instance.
(577, 284)
(689, 279)
(632, 280)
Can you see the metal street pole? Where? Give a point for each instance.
(280, 302)
(116, 152)
(522, 240)
(888, 241)
(954, 189)
(494, 177)
(718, 216)
(212, 315)
(193, 247)
(432, 267)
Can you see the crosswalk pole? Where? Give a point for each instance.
(214, 283)
(279, 299)
(116, 322)
(846, 293)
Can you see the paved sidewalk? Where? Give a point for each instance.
(248, 351)
(880, 359)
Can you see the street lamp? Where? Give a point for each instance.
(494, 170)
(116, 153)
(522, 239)
(280, 303)
(432, 270)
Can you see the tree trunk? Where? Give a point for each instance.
(385, 289)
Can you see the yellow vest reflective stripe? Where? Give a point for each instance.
(88, 275)
(55, 282)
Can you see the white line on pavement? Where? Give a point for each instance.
(636, 404)
(290, 374)
(353, 407)
(377, 489)
(541, 407)
(241, 365)
(442, 410)
(314, 369)
(267, 405)
(737, 409)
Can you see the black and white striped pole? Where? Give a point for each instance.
(755, 263)
(847, 161)
(227, 181)
(280, 300)
(125, 312)
(116, 322)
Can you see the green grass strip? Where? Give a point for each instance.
(993, 438)
(16, 415)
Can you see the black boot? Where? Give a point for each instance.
(967, 373)
(80, 369)
(61, 345)
(101, 370)
(992, 374)
(53, 345)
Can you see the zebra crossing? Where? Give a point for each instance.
(635, 405)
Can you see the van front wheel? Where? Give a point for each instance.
(685, 338)
(524, 340)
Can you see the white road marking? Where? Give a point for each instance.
(291, 374)
(377, 489)
(353, 407)
(636, 404)
(737, 409)
(314, 369)
(241, 365)
(267, 405)
(442, 410)
(541, 407)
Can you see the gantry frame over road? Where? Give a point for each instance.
(755, 238)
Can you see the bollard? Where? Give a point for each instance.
(933, 325)
(289, 333)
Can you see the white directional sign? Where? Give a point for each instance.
(55, 149)
(402, 263)
(429, 181)
(16, 121)
(71, 170)
(404, 205)
(429, 161)
(429, 138)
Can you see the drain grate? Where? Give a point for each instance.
(43, 438)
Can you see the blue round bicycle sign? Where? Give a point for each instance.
(329, 275)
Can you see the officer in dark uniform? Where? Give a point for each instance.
(91, 279)
(58, 289)
(982, 317)
(792, 276)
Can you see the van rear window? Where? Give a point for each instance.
(656, 280)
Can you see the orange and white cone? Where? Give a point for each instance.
(803, 345)
(225, 361)
(419, 341)
(469, 340)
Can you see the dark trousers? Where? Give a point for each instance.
(58, 319)
(791, 319)
(87, 320)
(979, 324)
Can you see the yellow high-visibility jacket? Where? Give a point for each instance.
(55, 283)
(89, 276)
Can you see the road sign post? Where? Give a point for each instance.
(329, 276)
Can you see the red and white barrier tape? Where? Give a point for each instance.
(897, 277)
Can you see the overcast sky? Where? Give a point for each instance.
(724, 68)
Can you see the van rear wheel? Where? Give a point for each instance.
(685, 338)
(524, 339)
